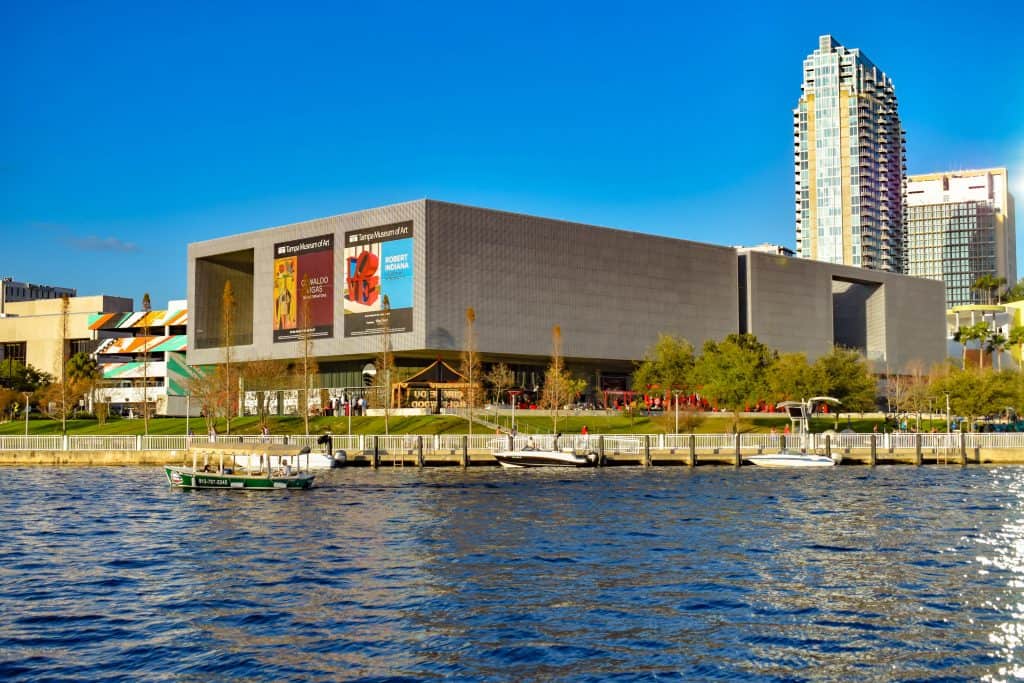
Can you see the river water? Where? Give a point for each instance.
(850, 573)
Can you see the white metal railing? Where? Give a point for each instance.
(31, 443)
(453, 443)
(103, 443)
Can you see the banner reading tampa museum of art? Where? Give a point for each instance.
(304, 288)
(378, 263)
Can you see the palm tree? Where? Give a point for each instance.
(995, 344)
(83, 368)
(979, 333)
(984, 284)
(1000, 287)
(990, 284)
(1017, 338)
(967, 334)
(961, 337)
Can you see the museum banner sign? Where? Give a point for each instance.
(378, 265)
(304, 289)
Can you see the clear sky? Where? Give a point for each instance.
(128, 130)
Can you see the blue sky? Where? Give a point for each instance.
(128, 131)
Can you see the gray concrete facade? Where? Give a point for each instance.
(611, 292)
(799, 305)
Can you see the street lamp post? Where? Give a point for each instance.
(675, 394)
(28, 408)
(949, 429)
(514, 393)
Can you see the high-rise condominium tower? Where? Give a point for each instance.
(960, 227)
(850, 160)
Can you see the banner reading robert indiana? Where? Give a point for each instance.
(378, 264)
(304, 289)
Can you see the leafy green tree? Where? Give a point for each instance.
(667, 365)
(21, 377)
(1015, 293)
(792, 378)
(1017, 339)
(847, 376)
(733, 372)
(974, 393)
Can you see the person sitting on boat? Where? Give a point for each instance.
(530, 445)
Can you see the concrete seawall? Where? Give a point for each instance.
(673, 458)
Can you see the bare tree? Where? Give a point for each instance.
(309, 364)
(146, 308)
(227, 313)
(207, 387)
(470, 367)
(385, 362)
(62, 361)
(264, 376)
(558, 385)
(501, 378)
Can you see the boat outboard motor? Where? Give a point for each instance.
(340, 459)
(592, 457)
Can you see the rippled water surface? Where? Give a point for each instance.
(714, 573)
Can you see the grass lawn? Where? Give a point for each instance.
(447, 424)
(420, 424)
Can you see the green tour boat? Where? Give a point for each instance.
(266, 477)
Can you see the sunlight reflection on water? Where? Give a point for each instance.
(852, 573)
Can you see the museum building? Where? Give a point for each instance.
(407, 273)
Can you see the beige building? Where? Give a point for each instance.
(960, 226)
(30, 331)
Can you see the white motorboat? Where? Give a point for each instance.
(799, 414)
(527, 457)
(788, 458)
(508, 453)
(313, 461)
